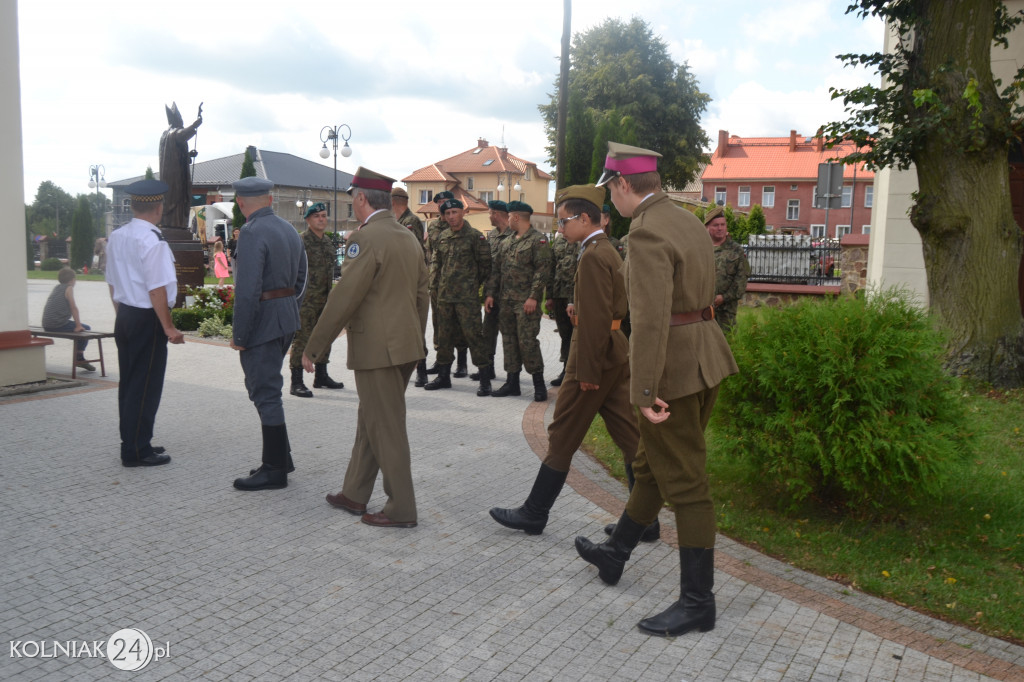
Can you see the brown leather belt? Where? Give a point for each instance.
(704, 315)
(276, 293)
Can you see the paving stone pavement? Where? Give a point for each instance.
(277, 584)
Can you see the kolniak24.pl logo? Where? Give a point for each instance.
(127, 649)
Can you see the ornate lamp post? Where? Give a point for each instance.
(332, 134)
(508, 178)
(98, 180)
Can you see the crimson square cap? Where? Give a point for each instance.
(624, 159)
(368, 179)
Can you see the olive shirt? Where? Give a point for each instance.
(596, 347)
(460, 264)
(524, 270)
(321, 257)
(671, 269)
(731, 273)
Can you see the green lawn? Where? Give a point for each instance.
(52, 274)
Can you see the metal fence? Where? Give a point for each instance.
(793, 259)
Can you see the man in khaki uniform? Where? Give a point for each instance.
(382, 301)
(678, 357)
(597, 371)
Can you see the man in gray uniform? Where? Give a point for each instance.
(269, 286)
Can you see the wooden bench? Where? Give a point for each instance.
(91, 335)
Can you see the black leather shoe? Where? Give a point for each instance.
(159, 449)
(263, 479)
(150, 461)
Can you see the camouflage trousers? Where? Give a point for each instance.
(460, 323)
(491, 324)
(725, 315)
(558, 306)
(308, 315)
(460, 342)
(519, 338)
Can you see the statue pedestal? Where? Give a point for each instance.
(189, 262)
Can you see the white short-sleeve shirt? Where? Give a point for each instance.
(139, 261)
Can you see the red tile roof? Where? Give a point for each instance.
(762, 158)
(475, 160)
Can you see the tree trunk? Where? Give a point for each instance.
(563, 94)
(972, 246)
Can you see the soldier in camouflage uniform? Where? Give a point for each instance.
(404, 216)
(606, 225)
(434, 229)
(520, 279)
(497, 238)
(460, 264)
(731, 269)
(321, 256)
(564, 256)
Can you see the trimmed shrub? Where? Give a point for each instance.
(189, 319)
(844, 403)
(214, 326)
(51, 264)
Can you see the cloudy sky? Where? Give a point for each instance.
(416, 83)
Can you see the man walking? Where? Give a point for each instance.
(678, 357)
(269, 286)
(382, 299)
(143, 287)
(321, 257)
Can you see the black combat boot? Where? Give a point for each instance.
(610, 557)
(653, 531)
(460, 364)
(533, 515)
(322, 380)
(443, 378)
(695, 609)
(557, 381)
(540, 390)
(421, 374)
(510, 387)
(299, 388)
(485, 375)
(433, 368)
(273, 472)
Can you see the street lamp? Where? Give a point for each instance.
(501, 187)
(98, 180)
(304, 198)
(329, 134)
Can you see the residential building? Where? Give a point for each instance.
(478, 175)
(781, 174)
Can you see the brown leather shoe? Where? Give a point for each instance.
(378, 519)
(342, 502)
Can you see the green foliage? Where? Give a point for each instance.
(149, 173)
(753, 223)
(189, 319)
(50, 213)
(844, 403)
(214, 326)
(579, 136)
(81, 235)
(51, 264)
(623, 71)
(248, 171)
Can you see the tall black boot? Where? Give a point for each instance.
(421, 373)
(273, 472)
(695, 609)
(443, 378)
(653, 531)
(485, 375)
(533, 515)
(433, 368)
(540, 390)
(321, 378)
(611, 556)
(299, 388)
(557, 381)
(460, 364)
(510, 387)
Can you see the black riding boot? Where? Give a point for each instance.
(695, 609)
(510, 387)
(485, 375)
(533, 515)
(299, 388)
(611, 556)
(653, 531)
(421, 374)
(433, 368)
(322, 380)
(443, 378)
(540, 389)
(460, 364)
(273, 472)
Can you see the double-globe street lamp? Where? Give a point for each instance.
(332, 134)
(501, 187)
(98, 180)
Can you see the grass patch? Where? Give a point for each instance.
(99, 277)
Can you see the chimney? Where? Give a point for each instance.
(792, 140)
(723, 142)
(481, 142)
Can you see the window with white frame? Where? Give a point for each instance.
(527, 175)
(426, 196)
(869, 196)
(793, 188)
(843, 229)
(720, 195)
(768, 196)
(847, 196)
(817, 231)
(744, 197)
(793, 209)
(865, 229)
(469, 182)
(486, 196)
(769, 228)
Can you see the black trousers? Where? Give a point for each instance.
(141, 361)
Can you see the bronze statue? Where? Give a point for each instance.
(174, 161)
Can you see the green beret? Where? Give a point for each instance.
(605, 208)
(591, 193)
(450, 203)
(498, 206)
(441, 196)
(318, 207)
(519, 207)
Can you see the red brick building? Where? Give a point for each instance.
(780, 174)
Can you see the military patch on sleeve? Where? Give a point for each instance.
(353, 251)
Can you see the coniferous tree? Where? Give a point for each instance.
(81, 235)
(248, 171)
